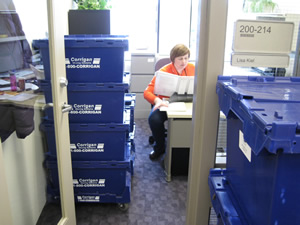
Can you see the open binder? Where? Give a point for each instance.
(167, 84)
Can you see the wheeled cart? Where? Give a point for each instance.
(101, 119)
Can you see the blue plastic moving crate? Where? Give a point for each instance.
(224, 203)
(92, 141)
(95, 181)
(124, 197)
(89, 58)
(263, 146)
(92, 102)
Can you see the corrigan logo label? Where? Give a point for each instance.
(88, 182)
(86, 109)
(87, 198)
(82, 63)
(87, 147)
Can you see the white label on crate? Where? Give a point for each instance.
(87, 147)
(88, 182)
(245, 148)
(82, 63)
(86, 109)
(86, 198)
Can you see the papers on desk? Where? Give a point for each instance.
(4, 82)
(5, 88)
(17, 98)
(167, 84)
(28, 86)
(24, 73)
(38, 71)
(174, 106)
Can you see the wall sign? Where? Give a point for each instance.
(259, 60)
(263, 36)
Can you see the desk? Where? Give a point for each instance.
(24, 172)
(179, 134)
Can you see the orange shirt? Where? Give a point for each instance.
(170, 68)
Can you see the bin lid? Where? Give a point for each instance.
(88, 41)
(96, 41)
(268, 107)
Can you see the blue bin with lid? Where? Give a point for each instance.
(95, 197)
(89, 58)
(92, 102)
(92, 141)
(109, 180)
(223, 200)
(263, 146)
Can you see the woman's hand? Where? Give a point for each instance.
(158, 103)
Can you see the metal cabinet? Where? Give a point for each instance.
(142, 71)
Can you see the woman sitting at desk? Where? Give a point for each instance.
(179, 66)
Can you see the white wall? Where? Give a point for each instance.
(33, 16)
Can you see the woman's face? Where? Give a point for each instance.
(181, 62)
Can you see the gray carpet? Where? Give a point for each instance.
(153, 200)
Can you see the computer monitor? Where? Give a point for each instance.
(89, 22)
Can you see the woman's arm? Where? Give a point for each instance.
(149, 92)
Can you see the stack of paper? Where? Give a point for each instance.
(174, 106)
(167, 84)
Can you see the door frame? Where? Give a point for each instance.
(212, 21)
(57, 28)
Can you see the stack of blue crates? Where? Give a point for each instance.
(260, 184)
(101, 121)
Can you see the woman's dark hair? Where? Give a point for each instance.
(179, 50)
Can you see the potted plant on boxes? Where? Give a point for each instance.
(90, 17)
(259, 6)
(93, 4)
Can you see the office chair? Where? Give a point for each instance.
(159, 64)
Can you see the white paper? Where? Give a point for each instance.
(17, 98)
(182, 85)
(174, 106)
(5, 89)
(4, 82)
(167, 84)
(190, 86)
(186, 85)
(30, 86)
(177, 106)
(38, 72)
(24, 73)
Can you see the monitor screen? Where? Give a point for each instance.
(89, 22)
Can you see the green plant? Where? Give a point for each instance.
(259, 6)
(93, 4)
